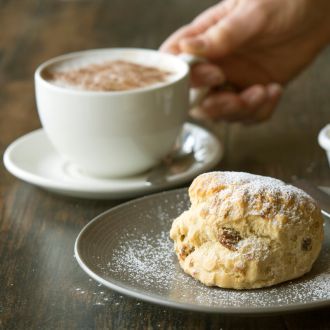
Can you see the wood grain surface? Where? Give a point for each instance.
(41, 285)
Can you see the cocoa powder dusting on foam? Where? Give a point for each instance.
(107, 76)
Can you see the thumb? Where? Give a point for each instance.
(227, 35)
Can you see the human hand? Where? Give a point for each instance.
(258, 45)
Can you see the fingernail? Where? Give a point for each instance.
(274, 90)
(195, 44)
(254, 96)
(208, 75)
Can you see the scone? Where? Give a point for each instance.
(247, 231)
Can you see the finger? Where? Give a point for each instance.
(265, 111)
(223, 105)
(212, 15)
(206, 75)
(227, 34)
(171, 44)
(244, 107)
(254, 96)
(275, 92)
(199, 25)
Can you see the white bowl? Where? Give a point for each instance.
(324, 140)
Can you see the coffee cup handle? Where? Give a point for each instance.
(196, 95)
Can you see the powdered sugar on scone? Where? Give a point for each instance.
(259, 223)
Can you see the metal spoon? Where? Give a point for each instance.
(178, 161)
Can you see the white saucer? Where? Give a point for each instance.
(33, 159)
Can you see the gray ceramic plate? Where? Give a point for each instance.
(128, 250)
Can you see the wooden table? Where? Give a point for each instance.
(41, 285)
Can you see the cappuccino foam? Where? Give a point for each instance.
(115, 75)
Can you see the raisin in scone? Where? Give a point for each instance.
(247, 231)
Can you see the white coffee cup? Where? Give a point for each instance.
(114, 134)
